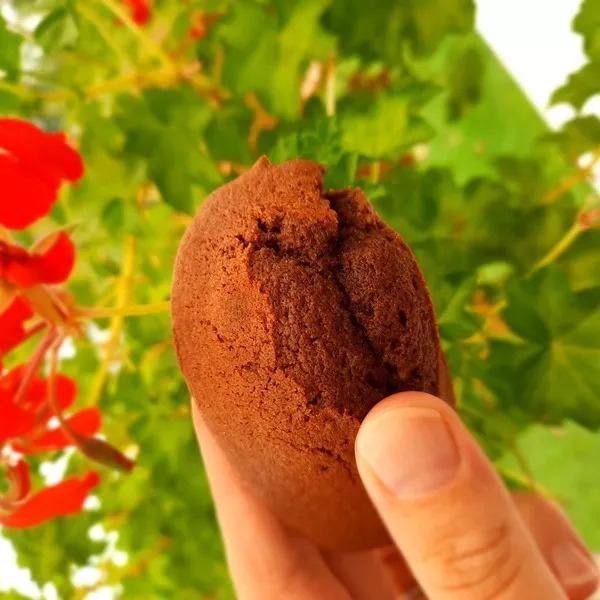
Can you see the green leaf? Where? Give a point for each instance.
(587, 23)
(300, 39)
(380, 131)
(10, 49)
(164, 128)
(580, 86)
(465, 82)
(432, 20)
(455, 318)
(578, 136)
(320, 142)
(558, 459)
(57, 30)
(553, 372)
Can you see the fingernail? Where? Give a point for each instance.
(572, 565)
(411, 450)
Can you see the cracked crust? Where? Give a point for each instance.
(294, 312)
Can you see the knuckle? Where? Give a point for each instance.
(481, 559)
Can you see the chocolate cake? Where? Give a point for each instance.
(296, 310)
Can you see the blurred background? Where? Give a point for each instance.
(471, 126)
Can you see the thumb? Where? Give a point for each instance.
(445, 507)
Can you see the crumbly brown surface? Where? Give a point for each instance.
(296, 310)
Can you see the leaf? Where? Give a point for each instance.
(553, 373)
(558, 459)
(379, 132)
(578, 136)
(587, 23)
(300, 38)
(163, 128)
(464, 82)
(455, 317)
(320, 142)
(580, 86)
(10, 49)
(57, 30)
(432, 20)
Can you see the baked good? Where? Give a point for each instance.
(296, 310)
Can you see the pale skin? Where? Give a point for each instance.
(458, 533)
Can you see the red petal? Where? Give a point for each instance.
(10, 380)
(85, 422)
(64, 159)
(53, 265)
(37, 395)
(140, 10)
(67, 497)
(32, 166)
(11, 324)
(15, 422)
(21, 420)
(26, 196)
(57, 262)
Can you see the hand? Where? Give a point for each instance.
(463, 536)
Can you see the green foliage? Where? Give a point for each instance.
(406, 102)
(579, 87)
(11, 45)
(583, 84)
(57, 30)
(587, 23)
(552, 368)
(559, 460)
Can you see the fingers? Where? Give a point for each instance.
(445, 506)
(560, 544)
(364, 574)
(266, 561)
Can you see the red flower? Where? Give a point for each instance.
(86, 422)
(11, 324)
(51, 260)
(64, 498)
(33, 164)
(33, 411)
(140, 10)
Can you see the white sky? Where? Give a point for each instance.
(533, 38)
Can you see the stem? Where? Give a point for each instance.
(15, 89)
(34, 362)
(123, 293)
(330, 88)
(375, 171)
(85, 11)
(542, 491)
(559, 247)
(53, 397)
(133, 310)
(570, 182)
(156, 77)
(151, 46)
(33, 330)
(523, 465)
